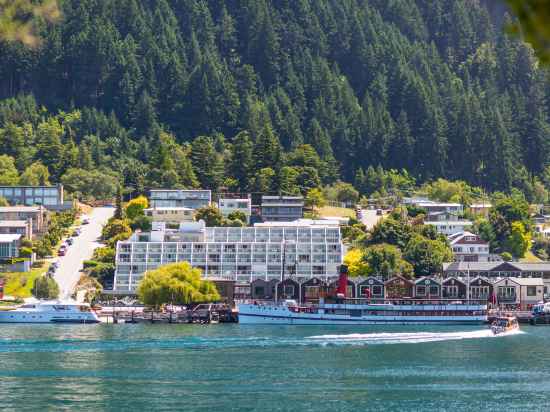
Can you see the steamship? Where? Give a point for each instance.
(334, 308)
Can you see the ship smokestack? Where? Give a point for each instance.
(342, 281)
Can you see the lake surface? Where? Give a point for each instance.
(272, 368)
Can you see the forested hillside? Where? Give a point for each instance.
(275, 95)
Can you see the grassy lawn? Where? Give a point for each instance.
(330, 211)
(530, 258)
(19, 284)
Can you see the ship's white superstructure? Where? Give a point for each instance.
(50, 312)
(354, 312)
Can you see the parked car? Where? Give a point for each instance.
(69, 241)
(85, 221)
(379, 212)
(61, 252)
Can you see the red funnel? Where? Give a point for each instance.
(343, 281)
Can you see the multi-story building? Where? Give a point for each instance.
(9, 245)
(192, 199)
(229, 205)
(480, 209)
(35, 213)
(469, 247)
(20, 227)
(232, 253)
(170, 215)
(50, 197)
(282, 208)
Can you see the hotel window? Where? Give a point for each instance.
(531, 291)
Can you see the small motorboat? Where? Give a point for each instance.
(504, 324)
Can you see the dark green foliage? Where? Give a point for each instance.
(188, 93)
(45, 288)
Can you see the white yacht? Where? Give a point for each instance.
(50, 312)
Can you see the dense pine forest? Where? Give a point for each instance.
(274, 96)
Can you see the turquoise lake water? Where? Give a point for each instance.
(272, 368)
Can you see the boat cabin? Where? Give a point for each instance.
(453, 288)
(399, 287)
(427, 288)
(371, 287)
(311, 290)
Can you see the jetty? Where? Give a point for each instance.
(199, 314)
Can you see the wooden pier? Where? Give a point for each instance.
(201, 314)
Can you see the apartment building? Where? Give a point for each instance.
(192, 199)
(232, 253)
(282, 208)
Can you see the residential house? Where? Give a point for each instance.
(193, 199)
(469, 247)
(170, 215)
(480, 209)
(282, 208)
(51, 197)
(21, 227)
(37, 214)
(229, 205)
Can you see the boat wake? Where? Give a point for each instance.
(416, 337)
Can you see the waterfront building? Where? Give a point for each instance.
(398, 287)
(51, 197)
(370, 287)
(520, 293)
(282, 208)
(480, 288)
(469, 247)
(453, 288)
(229, 205)
(432, 208)
(9, 245)
(193, 199)
(35, 213)
(170, 215)
(232, 253)
(427, 288)
(21, 227)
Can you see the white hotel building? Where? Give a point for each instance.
(233, 253)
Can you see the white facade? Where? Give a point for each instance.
(524, 292)
(227, 206)
(469, 247)
(174, 215)
(450, 227)
(232, 253)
